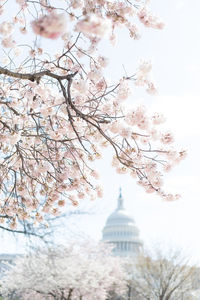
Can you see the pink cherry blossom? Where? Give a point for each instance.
(94, 25)
(86, 269)
(158, 119)
(167, 138)
(8, 42)
(59, 109)
(151, 89)
(14, 138)
(6, 28)
(94, 75)
(125, 132)
(144, 67)
(103, 61)
(21, 2)
(123, 90)
(149, 20)
(50, 26)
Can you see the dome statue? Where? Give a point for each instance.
(121, 231)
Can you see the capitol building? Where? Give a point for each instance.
(120, 230)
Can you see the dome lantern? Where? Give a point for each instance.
(120, 200)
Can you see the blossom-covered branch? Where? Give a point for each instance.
(58, 110)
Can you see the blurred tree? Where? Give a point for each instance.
(162, 277)
(77, 272)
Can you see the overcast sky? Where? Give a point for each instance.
(174, 53)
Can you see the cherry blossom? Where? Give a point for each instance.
(8, 42)
(58, 108)
(94, 25)
(6, 28)
(50, 26)
(167, 138)
(149, 20)
(79, 271)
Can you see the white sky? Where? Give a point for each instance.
(175, 54)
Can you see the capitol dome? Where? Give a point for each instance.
(120, 230)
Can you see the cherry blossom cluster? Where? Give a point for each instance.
(50, 26)
(58, 110)
(149, 20)
(75, 272)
